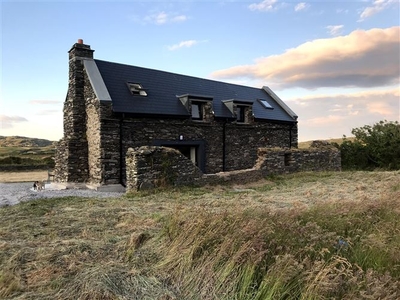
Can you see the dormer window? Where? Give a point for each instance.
(137, 89)
(197, 110)
(240, 113)
(242, 110)
(199, 107)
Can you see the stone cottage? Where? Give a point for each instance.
(111, 107)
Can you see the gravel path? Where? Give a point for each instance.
(13, 193)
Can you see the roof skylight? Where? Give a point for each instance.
(265, 103)
(137, 89)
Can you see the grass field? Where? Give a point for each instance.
(23, 176)
(22, 153)
(301, 236)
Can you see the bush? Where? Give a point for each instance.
(376, 146)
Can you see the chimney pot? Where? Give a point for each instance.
(80, 41)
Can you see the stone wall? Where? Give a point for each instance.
(93, 126)
(223, 142)
(243, 140)
(72, 151)
(152, 167)
(321, 156)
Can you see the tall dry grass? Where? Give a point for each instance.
(346, 251)
(302, 236)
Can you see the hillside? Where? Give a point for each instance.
(19, 153)
(22, 141)
(306, 144)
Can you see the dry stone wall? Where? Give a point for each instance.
(152, 167)
(321, 156)
(243, 140)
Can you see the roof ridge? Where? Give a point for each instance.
(179, 74)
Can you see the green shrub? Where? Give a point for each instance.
(376, 146)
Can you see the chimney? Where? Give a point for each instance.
(80, 51)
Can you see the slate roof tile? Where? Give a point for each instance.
(162, 89)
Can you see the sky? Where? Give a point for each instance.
(336, 64)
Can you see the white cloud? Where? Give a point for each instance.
(161, 18)
(180, 18)
(377, 6)
(184, 44)
(265, 5)
(334, 29)
(47, 112)
(364, 58)
(9, 121)
(301, 6)
(331, 116)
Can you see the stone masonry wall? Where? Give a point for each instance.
(93, 135)
(146, 131)
(72, 150)
(321, 156)
(241, 140)
(153, 167)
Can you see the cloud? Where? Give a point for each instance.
(361, 59)
(322, 116)
(266, 5)
(47, 112)
(342, 11)
(161, 18)
(377, 6)
(180, 18)
(43, 102)
(301, 6)
(334, 29)
(9, 121)
(184, 44)
(330, 119)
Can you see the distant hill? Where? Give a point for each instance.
(22, 141)
(306, 144)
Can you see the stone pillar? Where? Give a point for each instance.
(73, 156)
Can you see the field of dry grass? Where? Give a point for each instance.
(23, 176)
(301, 236)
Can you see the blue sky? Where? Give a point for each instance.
(335, 63)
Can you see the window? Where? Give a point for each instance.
(240, 114)
(265, 103)
(137, 89)
(197, 111)
(287, 159)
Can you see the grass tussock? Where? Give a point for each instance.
(346, 251)
(303, 236)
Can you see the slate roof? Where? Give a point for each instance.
(162, 89)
